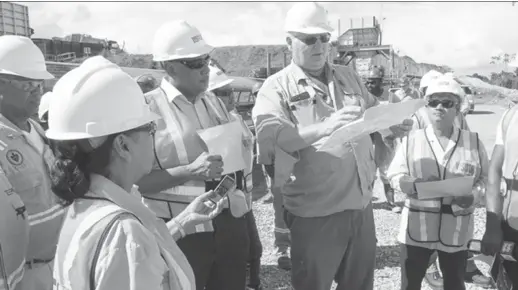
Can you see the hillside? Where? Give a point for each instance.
(244, 60)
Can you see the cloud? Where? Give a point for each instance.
(461, 35)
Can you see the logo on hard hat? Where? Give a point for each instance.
(197, 38)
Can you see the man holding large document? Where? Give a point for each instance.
(327, 194)
(443, 171)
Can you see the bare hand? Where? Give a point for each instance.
(403, 128)
(207, 166)
(464, 201)
(342, 117)
(198, 211)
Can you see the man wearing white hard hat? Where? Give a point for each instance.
(327, 195)
(25, 161)
(109, 239)
(440, 222)
(189, 159)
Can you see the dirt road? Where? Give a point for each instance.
(484, 121)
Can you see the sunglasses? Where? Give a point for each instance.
(312, 39)
(196, 63)
(447, 104)
(24, 85)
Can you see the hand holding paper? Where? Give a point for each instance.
(341, 118)
(452, 187)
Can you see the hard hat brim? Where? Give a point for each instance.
(312, 30)
(35, 75)
(199, 51)
(220, 85)
(58, 135)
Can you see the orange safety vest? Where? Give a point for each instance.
(510, 167)
(28, 172)
(14, 235)
(433, 220)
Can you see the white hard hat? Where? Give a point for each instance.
(96, 99)
(307, 18)
(19, 56)
(217, 78)
(44, 104)
(444, 84)
(178, 40)
(428, 77)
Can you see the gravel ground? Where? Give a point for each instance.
(387, 272)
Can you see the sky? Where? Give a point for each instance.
(461, 35)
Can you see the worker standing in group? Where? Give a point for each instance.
(109, 239)
(219, 80)
(326, 195)
(502, 206)
(217, 250)
(445, 225)
(27, 158)
(383, 152)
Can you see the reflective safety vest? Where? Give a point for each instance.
(177, 143)
(87, 226)
(436, 220)
(14, 235)
(28, 172)
(510, 167)
(423, 119)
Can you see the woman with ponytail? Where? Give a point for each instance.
(103, 133)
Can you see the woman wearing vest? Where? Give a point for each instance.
(502, 205)
(437, 152)
(109, 239)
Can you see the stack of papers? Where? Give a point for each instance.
(453, 187)
(374, 119)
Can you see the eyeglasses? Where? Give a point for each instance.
(312, 39)
(150, 128)
(448, 104)
(24, 85)
(196, 63)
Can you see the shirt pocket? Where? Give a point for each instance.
(27, 184)
(304, 111)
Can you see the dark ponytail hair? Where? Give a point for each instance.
(70, 174)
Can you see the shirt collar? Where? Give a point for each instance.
(434, 140)
(171, 91)
(103, 187)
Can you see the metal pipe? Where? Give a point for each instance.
(268, 64)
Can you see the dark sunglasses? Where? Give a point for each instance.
(196, 63)
(312, 39)
(447, 104)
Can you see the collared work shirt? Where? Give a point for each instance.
(323, 183)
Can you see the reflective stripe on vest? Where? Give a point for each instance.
(80, 237)
(510, 166)
(27, 170)
(426, 222)
(188, 145)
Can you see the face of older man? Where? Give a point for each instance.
(309, 51)
(191, 74)
(20, 96)
(443, 108)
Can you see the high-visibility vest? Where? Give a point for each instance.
(14, 235)
(433, 220)
(28, 172)
(423, 119)
(177, 143)
(510, 166)
(87, 223)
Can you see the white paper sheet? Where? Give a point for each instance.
(226, 140)
(452, 187)
(374, 119)
(488, 260)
